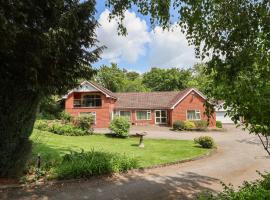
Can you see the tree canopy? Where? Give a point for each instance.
(44, 50)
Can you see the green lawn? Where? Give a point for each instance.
(156, 151)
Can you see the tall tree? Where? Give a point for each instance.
(43, 51)
(234, 35)
(111, 77)
(158, 79)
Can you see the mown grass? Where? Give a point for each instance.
(52, 147)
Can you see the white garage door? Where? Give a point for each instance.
(220, 116)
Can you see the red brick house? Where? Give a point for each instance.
(162, 108)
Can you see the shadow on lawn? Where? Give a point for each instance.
(140, 185)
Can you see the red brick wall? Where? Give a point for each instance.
(103, 113)
(191, 102)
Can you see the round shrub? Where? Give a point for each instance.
(178, 125)
(205, 142)
(189, 125)
(120, 126)
(84, 122)
(201, 124)
(218, 124)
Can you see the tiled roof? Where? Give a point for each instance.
(103, 89)
(149, 100)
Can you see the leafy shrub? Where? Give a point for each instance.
(178, 125)
(120, 126)
(248, 191)
(84, 122)
(66, 117)
(189, 125)
(201, 124)
(205, 141)
(86, 164)
(42, 125)
(67, 129)
(218, 124)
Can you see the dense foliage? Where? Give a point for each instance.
(86, 164)
(157, 79)
(49, 108)
(44, 50)
(201, 124)
(68, 129)
(205, 142)
(218, 124)
(179, 125)
(84, 122)
(120, 126)
(166, 79)
(259, 190)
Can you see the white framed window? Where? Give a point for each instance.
(90, 113)
(143, 115)
(123, 113)
(193, 115)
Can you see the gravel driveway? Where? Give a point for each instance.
(238, 157)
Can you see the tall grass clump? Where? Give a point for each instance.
(86, 164)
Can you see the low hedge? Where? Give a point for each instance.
(60, 128)
(201, 124)
(86, 164)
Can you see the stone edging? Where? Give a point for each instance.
(10, 186)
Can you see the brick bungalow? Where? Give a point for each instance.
(142, 108)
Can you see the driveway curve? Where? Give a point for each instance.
(238, 157)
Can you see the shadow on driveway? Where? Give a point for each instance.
(140, 186)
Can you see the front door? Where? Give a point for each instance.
(161, 117)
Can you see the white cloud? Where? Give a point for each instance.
(127, 48)
(163, 48)
(170, 49)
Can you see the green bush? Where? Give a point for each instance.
(178, 125)
(84, 122)
(67, 129)
(120, 126)
(86, 164)
(201, 124)
(42, 125)
(189, 125)
(256, 190)
(205, 141)
(218, 124)
(66, 117)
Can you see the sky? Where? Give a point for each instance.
(143, 47)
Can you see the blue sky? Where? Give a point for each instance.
(143, 47)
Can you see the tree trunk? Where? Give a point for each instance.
(17, 116)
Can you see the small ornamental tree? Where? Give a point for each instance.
(45, 47)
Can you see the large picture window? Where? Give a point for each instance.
(91, 101)
(143, 115)
(193, 115)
